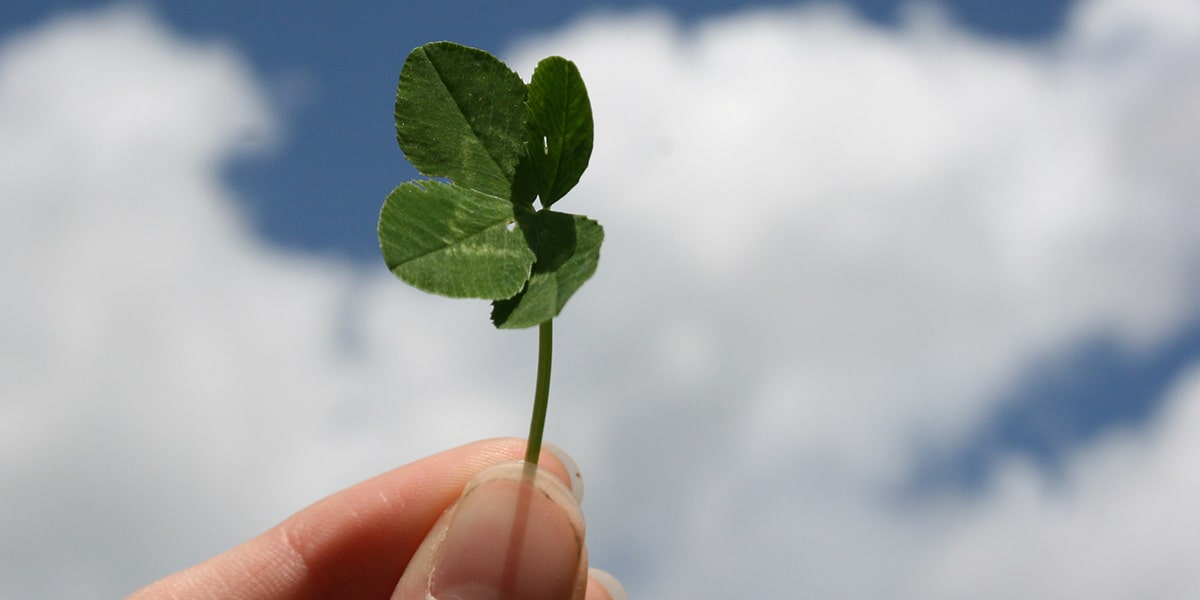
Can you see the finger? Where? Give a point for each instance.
(353, 544)
(517, 532)
(602, 585)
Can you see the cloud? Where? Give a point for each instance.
(1118, 526)
(877, 232)
(830, 247)
(162, 367)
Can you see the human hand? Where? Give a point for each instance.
(472, 522)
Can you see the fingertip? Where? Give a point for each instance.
(574, 475)
(609, 584)
(516, 532)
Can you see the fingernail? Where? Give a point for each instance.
(517, 532)
(572, 469)
(615, 590)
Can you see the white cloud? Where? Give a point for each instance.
(1120, 525)
(160, 363)
(825, 242)
(881, 227)
(880, 231)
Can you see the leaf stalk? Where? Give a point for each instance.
(541, 392)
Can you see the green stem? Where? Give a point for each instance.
(541, 393)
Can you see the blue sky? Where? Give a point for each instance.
(873, 250)
(320, 192)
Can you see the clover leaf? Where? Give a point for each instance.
(496, 144)
(491, 146)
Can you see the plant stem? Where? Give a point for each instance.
(541, 393)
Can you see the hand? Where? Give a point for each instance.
(472, 522)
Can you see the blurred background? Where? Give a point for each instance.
(897, 300)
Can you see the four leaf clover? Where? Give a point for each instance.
(491, 147)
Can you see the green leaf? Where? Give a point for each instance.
(460, 114)
(568, 250)
(463, 116)
(559, 127)
(454, 241)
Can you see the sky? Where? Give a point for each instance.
(896, 300)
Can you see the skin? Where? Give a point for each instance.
(359, 542)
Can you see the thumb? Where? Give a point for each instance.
(516, 532)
